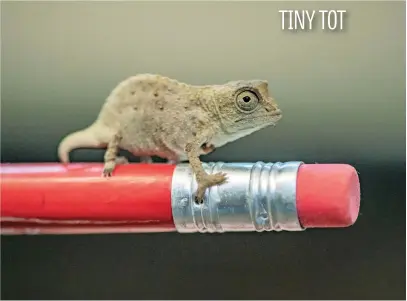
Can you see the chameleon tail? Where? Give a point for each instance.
(86, 138)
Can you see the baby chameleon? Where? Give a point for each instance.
(152, 115)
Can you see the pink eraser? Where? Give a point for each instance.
(328, 195)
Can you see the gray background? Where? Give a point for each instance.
(343, 99)
(342, 94)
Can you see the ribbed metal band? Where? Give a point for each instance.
(257, 197)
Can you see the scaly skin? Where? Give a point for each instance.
(152, 115)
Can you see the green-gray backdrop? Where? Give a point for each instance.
(342, 93)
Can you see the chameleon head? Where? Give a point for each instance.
(247, 105)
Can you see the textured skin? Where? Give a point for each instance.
(152, 115)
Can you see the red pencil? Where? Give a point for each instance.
(52, 198)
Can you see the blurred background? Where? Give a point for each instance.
(343, 99)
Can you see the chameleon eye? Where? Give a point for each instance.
(247, 101)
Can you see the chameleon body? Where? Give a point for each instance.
(152, 115)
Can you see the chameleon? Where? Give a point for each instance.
(153, 115)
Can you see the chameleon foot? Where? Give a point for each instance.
(206, 182)
(207, 148)
(108, 168)
(110, 165)
(122, 160)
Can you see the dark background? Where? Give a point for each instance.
(343, 98)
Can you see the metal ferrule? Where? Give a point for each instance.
(256, 197)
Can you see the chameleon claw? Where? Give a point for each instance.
(215, 179)
(209, 181)
(198, 200)
(107, 173)
(108, 168)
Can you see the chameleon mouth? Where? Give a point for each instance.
(277, 113)
(277, 116)
(274, 117)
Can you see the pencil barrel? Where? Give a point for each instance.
(52, 198)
